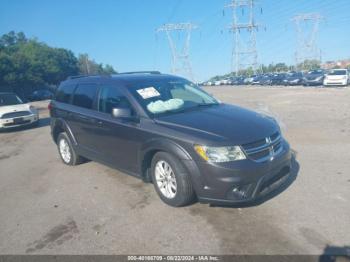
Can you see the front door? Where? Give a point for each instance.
(118, 140)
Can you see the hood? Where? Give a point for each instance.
(228, 124)
(336, 77)
(14, 108)
(313, 76)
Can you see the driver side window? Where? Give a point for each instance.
(111, 97)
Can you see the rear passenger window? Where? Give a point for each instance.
(64, 93)
(84, 95)
(111, 97)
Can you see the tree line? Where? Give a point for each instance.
(26, 64)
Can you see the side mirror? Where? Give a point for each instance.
(121, 113)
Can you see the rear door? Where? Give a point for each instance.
(81, 120)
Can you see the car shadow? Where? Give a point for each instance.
(334, 253)
(295, 167)
(43, 122)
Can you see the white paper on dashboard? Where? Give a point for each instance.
(148, 92)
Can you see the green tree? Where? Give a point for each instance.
(88, 66)
(28, 64)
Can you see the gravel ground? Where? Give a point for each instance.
(49, 208)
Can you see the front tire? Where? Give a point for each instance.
(67, 152)
(171, 181)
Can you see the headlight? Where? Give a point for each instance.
(33, 109)
(220, 154)
(319, 78)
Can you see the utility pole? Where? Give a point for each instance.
(306, 48)
(244, 53)
(180, 63)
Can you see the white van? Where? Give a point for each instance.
(337, 77)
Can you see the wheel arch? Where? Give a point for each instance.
(60, 126)
(150, 148)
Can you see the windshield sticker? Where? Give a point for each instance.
(148, 92)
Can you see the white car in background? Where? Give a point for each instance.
(336, 77)
(15, 113)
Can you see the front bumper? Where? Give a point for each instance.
(9, 123)
(335, 82)
(313, 82)
(294, 83)
(242, 181)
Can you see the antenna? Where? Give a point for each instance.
(180, 63)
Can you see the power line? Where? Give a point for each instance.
(175, 9)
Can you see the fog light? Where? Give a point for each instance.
(239, 192)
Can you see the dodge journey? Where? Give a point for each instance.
(166, 130)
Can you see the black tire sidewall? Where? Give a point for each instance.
(181, 176)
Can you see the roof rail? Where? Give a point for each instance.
(141, 72)
(81, 76)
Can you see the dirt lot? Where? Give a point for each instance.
(49, 208)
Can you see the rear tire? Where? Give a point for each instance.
(171, 181)
(67, 152)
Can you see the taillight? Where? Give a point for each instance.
(49, 106)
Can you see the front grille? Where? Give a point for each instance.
(19, 123)
(335, 83)
(16, 114)
(264, 149)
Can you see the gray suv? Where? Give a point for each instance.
(166, 130)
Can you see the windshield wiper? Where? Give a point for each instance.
(206, 104)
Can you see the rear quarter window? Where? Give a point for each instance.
(64, 93)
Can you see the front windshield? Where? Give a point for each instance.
(315, 72)
(337, 73)
(170, 96)
(9, 100)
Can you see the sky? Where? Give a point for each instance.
(123, 32)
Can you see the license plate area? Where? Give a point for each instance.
(18, 120)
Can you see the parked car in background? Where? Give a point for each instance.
(293, 78)
(42, 94)
(224, 82)
(238, 80)
(277, 79)
(165, 130)
(248, 80)
(256, 80)
(337, 77)
(314, 78)
(266, 79)
(15, 113)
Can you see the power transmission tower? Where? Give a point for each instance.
(307, 26)
(180, 56)
(244, 53)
